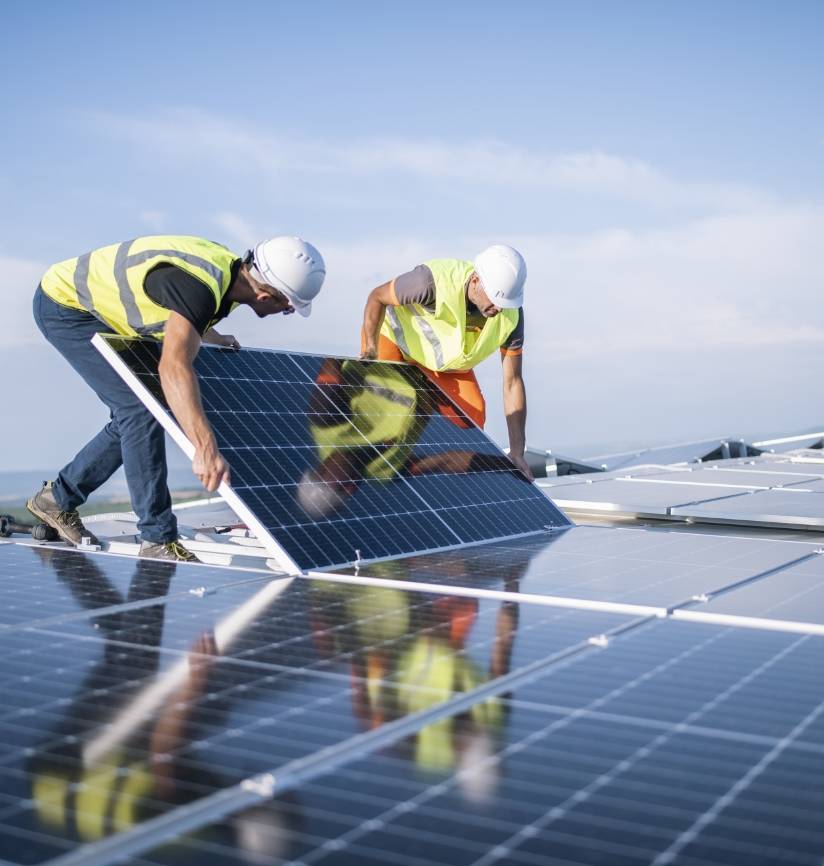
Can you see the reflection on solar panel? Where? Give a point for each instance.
(335, 461)
(615, 566)
(112, 719)
(676, 744)
(302, 718)
(83, 586)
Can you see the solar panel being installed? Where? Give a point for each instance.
(335, 461)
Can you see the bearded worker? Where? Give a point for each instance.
(448, 315)
(175, 289)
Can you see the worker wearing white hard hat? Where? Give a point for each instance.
(448, 315)
(175, 289)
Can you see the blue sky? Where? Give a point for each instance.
(659, 164)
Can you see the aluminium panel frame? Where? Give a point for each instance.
(272, 547)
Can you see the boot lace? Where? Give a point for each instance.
(179, 551)
(70, 518)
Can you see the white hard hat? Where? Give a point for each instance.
(317, 498)
(294, 267)
(502, 270)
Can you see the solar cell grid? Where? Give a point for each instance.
(657, 568)
(339, 460)
(129, 713)
(794, 594)
(596, 764)
(47, 583)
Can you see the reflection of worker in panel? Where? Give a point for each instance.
(87, 800)
(411, 652)
(174, 289)
(448, 315)
(364, 408)
(113, 762)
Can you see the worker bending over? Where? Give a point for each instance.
(174, 289)
(446, 316)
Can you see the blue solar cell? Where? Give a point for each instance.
(118, 713)
(675, 744)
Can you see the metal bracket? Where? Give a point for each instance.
(262, 785)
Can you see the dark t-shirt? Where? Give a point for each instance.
(178, 290)
(418, 287)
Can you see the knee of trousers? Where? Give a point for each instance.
(129, 419)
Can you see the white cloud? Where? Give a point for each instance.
(192, 135)
(746, 280)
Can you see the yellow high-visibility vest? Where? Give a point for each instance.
(109, 282)
(102, 799)
(441, 340)
(381, 412)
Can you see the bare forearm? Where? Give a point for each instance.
(373, 314)
(183, 396)
(515, 410)
(372, 321)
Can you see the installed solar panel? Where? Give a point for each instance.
(677, 744)
(795, 594)
(54, 583)
(657, 568)
(114, 719)
(798, 508)
(337, 460)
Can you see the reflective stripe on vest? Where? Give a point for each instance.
(109, 282)
(441, 340)
(382, 412)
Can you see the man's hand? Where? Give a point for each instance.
(181, 344)
(228, 341)
(210, 468)
(374, 311)
(521, 464)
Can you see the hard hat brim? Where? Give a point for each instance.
(508, 303)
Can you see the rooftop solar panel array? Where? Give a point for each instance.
(335, 461)
(770, 490)
(171, 714)
(112, 719)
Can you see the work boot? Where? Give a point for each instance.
(172, 550)
(68, 524)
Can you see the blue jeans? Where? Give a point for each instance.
(132, 438)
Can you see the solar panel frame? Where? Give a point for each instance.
(240, 508)
(442, 525)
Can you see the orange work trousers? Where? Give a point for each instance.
(460, 385)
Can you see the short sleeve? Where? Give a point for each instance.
(514, 343)
(416, 287)
(178, 290)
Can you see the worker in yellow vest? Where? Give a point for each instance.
(373, 434)
(175, 289)
(448, 315)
